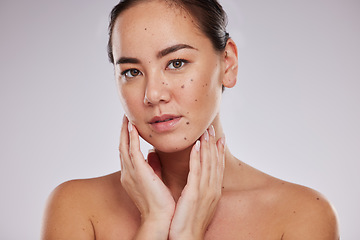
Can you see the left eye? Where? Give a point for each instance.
(176, 64)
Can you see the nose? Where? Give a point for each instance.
(157, 91)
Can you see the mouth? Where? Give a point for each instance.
(164, 123)
(163, 118)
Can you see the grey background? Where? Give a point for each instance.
(293, 114)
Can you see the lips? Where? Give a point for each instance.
(165, 122)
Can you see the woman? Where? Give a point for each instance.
(172, 59)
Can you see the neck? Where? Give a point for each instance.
(175, 165)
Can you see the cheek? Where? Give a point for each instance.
(131, 102)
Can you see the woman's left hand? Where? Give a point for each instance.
(198, 201)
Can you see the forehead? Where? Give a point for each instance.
(154, 24)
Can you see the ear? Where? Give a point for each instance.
(231, 64)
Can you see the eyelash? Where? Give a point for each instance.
(183, 62)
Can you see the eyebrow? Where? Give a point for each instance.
(172, 49)
(123, 60)
(161, 54)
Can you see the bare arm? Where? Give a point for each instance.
(64, 215)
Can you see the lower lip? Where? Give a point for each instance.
(165, 126)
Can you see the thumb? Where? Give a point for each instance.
(154, 162)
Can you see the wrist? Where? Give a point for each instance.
(153, 229)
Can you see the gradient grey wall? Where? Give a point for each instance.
(293, 114)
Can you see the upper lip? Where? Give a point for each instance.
(163, 118)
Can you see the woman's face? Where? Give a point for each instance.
(169, 75)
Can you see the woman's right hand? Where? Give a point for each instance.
(145, 186)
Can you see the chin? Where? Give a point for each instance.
(170, 145)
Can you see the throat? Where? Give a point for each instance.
(175, 170)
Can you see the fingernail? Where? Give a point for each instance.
(130, 126)
(212, 130)
(197, 145)
(206, 136)
(222, 140)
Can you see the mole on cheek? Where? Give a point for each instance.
(187, 123)
(183, 86)
(185, 138)
(150, 135)
(191, 80)
(145, 29)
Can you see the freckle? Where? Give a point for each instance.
(187, 113)
(294, 211)
(205, 84)
(163, 82)
(187, 123)
(150, 135)
(184, 16)
(185, 138)
(192, 80)
(145, 29)
(239, 164)
(195, 100)
(317, 198)
(182, 86)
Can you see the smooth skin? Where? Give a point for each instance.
(190, 186)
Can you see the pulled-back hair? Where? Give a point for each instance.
(210, 18)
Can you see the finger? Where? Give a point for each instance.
(124, 146)
(205, 160)
(195, 167)
(213, 156)
(135, 153)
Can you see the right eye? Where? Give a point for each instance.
(130, 73)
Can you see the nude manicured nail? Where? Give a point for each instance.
(212, 130)
(130, 126)
(197, 145)
(206, 136)
(222, 140)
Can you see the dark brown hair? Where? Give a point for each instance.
(209, 15)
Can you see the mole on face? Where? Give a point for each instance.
(185, 138)
(150, 135)
(183, 86)
(187, 123)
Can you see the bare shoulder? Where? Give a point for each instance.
(73, 206)
(305, 213)
(287, 210)
(310, 214)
